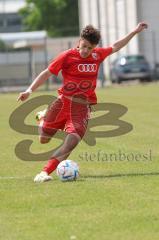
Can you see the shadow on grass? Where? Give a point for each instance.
(121, 175)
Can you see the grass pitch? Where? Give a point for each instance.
(113, 199)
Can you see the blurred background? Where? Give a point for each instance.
(33, 32)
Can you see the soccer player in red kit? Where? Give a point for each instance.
(79, 67)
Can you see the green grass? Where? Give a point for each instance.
(112, 200)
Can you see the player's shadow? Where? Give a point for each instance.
(120, 175)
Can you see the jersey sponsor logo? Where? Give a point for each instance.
(87, 67)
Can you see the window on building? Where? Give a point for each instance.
(13, 22)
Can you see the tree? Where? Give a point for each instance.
(2, 46)
(58, 17)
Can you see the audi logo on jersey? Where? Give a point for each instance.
(87, 67)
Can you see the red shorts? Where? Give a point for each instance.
(65, 114)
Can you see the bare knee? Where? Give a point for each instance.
(71, 142)
(44, 140)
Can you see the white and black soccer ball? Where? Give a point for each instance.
(67, 170)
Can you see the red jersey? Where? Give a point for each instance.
(79, 74)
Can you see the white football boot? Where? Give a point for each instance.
(40, 115)
(42, 177)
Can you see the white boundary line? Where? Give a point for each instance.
(9, 177)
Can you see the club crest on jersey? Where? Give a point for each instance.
(95, 56)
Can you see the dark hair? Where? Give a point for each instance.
(91, 34)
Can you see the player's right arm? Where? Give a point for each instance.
(53, 68)
(39, 80)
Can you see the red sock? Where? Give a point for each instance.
(51, 165)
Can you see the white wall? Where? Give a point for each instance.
(148, 10)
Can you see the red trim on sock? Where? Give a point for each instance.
(51, 165)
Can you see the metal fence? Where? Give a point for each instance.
(16, 68)
(19, 68)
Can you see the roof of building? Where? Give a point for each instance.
(11, 6)
(24, 39)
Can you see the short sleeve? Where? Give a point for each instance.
(56, 65)
(104, 52)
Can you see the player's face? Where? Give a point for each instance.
(85, 48)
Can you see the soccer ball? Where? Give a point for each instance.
(67, 170)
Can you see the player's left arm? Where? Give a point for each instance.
(124, 41)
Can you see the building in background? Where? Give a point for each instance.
(25, 54)
(115, 18)
(30, 54)
(10, 20)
